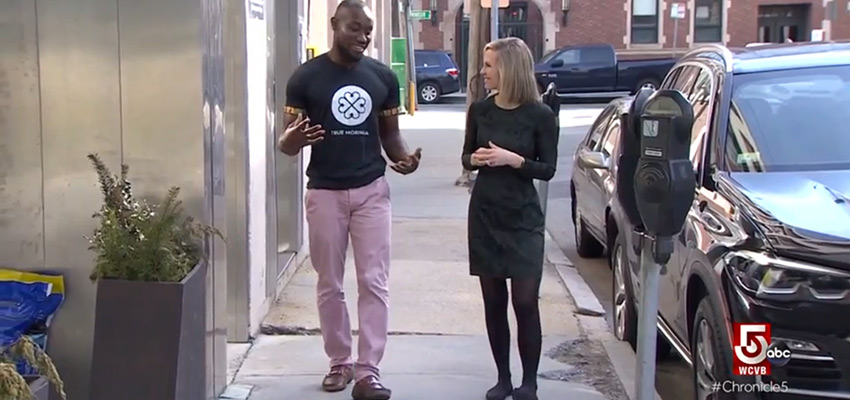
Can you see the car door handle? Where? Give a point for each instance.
(711, 222)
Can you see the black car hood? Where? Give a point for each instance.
(805, 215)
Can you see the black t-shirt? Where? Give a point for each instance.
(347, 102)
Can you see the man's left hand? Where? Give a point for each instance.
(408, 165)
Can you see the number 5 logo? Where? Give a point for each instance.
(751, 343)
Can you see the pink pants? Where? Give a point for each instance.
(366, 215)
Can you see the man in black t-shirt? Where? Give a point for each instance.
(345, 106)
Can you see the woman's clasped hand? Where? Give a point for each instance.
(495, 156)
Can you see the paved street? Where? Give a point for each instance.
(438, 348)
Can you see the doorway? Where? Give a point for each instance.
(778, 24)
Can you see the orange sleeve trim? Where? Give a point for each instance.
(292, 110)
(391, 112)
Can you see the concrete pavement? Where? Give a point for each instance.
(438, 348)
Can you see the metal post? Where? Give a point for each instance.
(411, 67)
(494, 20)
(650, 272)
(675, 33)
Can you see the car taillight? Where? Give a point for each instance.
(452, 71)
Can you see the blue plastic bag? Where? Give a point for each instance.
(28, 302)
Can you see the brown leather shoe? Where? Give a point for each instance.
(338, 378)
(370, 389)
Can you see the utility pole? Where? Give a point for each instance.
(479, 35)
(407, 31)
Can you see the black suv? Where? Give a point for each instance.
(767, 239)
(436, 75)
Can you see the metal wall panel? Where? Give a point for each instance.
(288, 170)
(271, 184)
(138, 82)
(238, 273)
(170, 65)
(20, 138)
(80, 113)
(214, 182)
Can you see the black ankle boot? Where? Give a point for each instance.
(501, 391)
(525, 392)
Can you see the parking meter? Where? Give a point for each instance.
(664, 187)
(664, 181)
(551, 99)
(629, 156)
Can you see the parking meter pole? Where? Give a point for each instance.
(650, 274)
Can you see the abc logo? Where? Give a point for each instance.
(778, 354)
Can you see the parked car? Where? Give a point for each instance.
(436, 75)
(596, 69)
(597, 216)
(767, 239)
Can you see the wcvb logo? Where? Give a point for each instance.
(754, 354)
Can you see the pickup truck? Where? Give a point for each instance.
(595, 69)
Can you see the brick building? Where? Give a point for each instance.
(639, 26)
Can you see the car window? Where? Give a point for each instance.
(700, 98)
(612, 137)
(671, 78)
(569, 57)
(791, 120)
(598, 129)
(596, 56)
(427, 60)
(685, 79)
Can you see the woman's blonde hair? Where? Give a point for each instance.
(516, 70)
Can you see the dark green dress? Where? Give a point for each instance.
(506, 226)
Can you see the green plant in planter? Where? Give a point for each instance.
(13, 386)
(139, 242)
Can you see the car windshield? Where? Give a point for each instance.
(548, 56)
(790, 120)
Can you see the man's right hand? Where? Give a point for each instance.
(300, 133)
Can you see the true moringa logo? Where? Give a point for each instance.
(351, 105)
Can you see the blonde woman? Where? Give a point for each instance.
(511, 139)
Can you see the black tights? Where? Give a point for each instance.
(524, 294)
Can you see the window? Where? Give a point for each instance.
(427, 60)
(598, 129)
(611, 138)
(685, 79)
(569, 57)
(597, 56)
(644, 21)
(791, 120)
(708, 21)
(700, 98)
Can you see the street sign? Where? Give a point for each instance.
(677, 11)
(420, 14)
(489, 3)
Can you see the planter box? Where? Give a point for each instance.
(39, 386)
(149, 339)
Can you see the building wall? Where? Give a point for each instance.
(608, 21)
(320, 32)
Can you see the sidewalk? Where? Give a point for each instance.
(438, 349)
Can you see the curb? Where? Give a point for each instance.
(588, 313)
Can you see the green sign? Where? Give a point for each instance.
(420, 14)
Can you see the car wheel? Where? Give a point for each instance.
(650, 83)
(429, 93)
(710, 363)
(625, 316)
(586, 245)
(625, 307)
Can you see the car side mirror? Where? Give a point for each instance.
(593, 160)
(557, 63)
